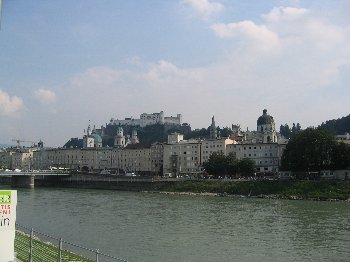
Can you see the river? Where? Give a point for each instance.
(158, 227)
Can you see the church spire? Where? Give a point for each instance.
(213, 131)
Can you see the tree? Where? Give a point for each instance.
(225, 132)
(288, 132)
(285, 131)
(310, 149)
(246, 167)
(220, 165)
(198, 133)
(216, 165)
(232, 164)
(341, 156)
(337, 126)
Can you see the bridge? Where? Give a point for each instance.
(26, 179)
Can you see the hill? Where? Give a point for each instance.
(337, 126)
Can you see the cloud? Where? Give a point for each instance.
(246, 30)
(205, 8)
(278, 14)
(99, 77)
(284, 63)
(45, 96)
(10, 105)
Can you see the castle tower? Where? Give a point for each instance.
(266, 126)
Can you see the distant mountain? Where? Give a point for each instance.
(338, 126)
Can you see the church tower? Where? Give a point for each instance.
(88, 140)
(266, 126)
(119, 140)
(213, 131)
(134, 138)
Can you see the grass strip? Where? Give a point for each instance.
(42, 251)
(318, 190)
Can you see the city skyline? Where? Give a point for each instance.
(65, 63)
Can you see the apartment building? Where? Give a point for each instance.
(210, 146)
(182, 158)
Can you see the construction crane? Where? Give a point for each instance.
(18, 141)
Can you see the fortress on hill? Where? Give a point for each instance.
(148, 119)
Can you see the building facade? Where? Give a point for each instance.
(343, 138)
(218, 145)
(264, 146)
(182, 158)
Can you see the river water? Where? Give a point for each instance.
(158, 227)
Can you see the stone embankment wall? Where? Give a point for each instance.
(102, 182)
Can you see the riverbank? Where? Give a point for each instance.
(296, 190)
(42, 251)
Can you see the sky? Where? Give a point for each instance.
(63, 63)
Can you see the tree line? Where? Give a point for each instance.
(288, 132)
(338, 126)
(315, 149)
(221, 165)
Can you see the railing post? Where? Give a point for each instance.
(59, 250)
(97, 253)
(31, 245)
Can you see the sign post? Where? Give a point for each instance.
(8, 203)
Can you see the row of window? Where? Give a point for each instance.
(254, 147)
(259, 155)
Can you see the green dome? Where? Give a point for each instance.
(97, 138)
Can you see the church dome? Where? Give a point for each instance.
(97, 138)
(265, 119)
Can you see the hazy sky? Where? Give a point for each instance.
(63, 63)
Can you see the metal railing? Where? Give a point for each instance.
(34, 246)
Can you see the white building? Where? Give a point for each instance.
(265, 155)
(343, 138)
(17, 158)
(263, 146)
(182, 158)
(138, 159)
(121, 140)
(91, 138)
(88, 159)
(148, 119)
(210, 146)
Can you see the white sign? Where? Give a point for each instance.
(8, 203)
